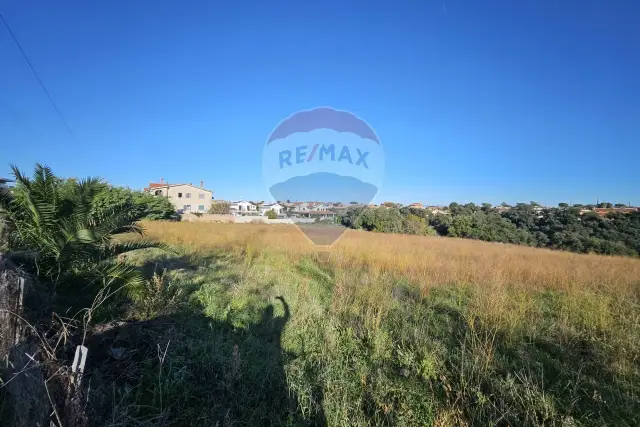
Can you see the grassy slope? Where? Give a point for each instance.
(383, 330)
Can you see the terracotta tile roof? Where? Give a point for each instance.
(161, 185)
(157, 184)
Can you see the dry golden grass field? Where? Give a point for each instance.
(385, 329)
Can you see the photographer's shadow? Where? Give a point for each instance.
(236, 375)
(268, 335)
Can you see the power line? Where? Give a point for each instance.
(26, 58)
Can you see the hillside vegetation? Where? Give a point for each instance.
(566, 227)
(382, 330)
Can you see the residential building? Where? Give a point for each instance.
(312, 210)
(437, 210)
(276, 207)
(416, 205)
(243, 208)
(184, 197)
(605, 211)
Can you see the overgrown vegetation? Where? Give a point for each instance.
(247, 324)
(427, 332)
(527, 224)
(144, 205)
(220, 208)
(271, 214)
(58, 233)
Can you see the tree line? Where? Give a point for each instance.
(525, 223)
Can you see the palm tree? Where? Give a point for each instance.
(55, 233)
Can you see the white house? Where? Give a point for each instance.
(276, 207)
(313, 210)
(243, 208)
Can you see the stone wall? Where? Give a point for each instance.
(243, 219)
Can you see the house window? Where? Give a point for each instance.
(186, 208)
(201, 207)
(179, 195)
(158, 192)
(201, 196)
(188, 195)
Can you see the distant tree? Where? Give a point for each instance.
(153, 207)
(220, 208)
(605, 205)
(353, 203)
(271, 214)
(414, 224)
(441, 223)
(419, 212)
(578, 205)
(380, 219)
(505, 205)
(620, 205)
(558, 228)
(535, 204)
(454, 208)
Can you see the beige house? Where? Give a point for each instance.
(185, 197)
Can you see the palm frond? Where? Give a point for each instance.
(120, 275)
(82, 197)
(114, 249)
(6, 197)
(118, 219)
(55, 219)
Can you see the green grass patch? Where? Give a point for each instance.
(253, 339)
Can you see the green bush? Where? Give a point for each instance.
(145, 205)
(220, 208)
(271, 214)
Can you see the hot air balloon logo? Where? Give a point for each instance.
(323, 155)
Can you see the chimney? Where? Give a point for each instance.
(201, 184)
(161, 180)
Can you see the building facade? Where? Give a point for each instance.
(276, 207)
(243, 208)
(184, 197)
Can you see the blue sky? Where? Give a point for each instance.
(472, 100)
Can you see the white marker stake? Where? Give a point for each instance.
(79, 360)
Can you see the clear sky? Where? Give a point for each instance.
(473, 100)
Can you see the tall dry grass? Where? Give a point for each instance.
(426, 261)
(478, 332)
(504, 277)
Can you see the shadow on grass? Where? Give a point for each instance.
(187, 369)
